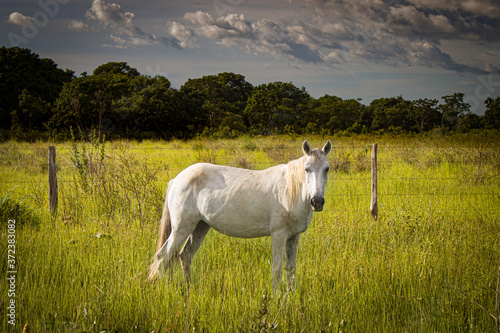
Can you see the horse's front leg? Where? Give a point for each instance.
(292, 245)
(278, 244)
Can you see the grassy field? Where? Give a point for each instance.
(430, 263)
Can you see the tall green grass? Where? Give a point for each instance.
(428, 264)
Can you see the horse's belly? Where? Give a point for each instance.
(241, 230)
(237, 216)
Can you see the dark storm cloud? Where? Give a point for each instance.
(392, 32)
(324, 32)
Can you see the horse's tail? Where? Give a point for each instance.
(165, 229)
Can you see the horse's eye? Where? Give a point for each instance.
(327, 169)
(308, 170)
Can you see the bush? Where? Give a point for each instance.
(121, 184)
(18, 210)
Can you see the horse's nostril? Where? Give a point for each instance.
(317, 202)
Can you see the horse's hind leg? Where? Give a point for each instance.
(193, 243)
(179, 234)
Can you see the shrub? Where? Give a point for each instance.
(18, 210)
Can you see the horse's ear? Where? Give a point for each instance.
(327, 148)
(306, 148)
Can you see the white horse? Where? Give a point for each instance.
(277, 202)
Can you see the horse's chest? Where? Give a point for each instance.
(296, 223)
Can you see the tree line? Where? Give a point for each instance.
(38, 100)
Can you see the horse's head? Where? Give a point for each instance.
(316, 169)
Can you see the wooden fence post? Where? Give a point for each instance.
(374, 202)
(53, 195)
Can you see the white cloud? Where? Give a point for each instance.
(20, 19)
(487, 8)
(262, 36)
(335, 33)
(357, 31)
(184, 36)
(200, 18)
(124, 43)
(409, 21)
(79, 26)
(126, 33)
(111, 14)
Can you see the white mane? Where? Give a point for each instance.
(295, 178)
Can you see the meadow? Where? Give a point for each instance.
(429, 263)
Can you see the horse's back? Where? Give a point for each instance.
(205, 176)
(234, 201)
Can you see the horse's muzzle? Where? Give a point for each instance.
(317, 203)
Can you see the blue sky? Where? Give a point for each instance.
(351, 49)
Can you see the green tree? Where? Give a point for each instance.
(321, 111)
(216, 100)
(20, 69)
(156, 108)
(87, 101)
(390, 113)
(425, 114)
(76, 105)
(468, 122)
(33, 113)
(492, 113)
(335, 114)
(112, 68)
(275, 105)
(451, 110)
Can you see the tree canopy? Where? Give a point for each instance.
(275, 106)
(38, 97)
(39, 78)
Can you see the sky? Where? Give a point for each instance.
(357, 49)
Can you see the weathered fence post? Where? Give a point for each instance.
(374, 202)
(53, 195)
